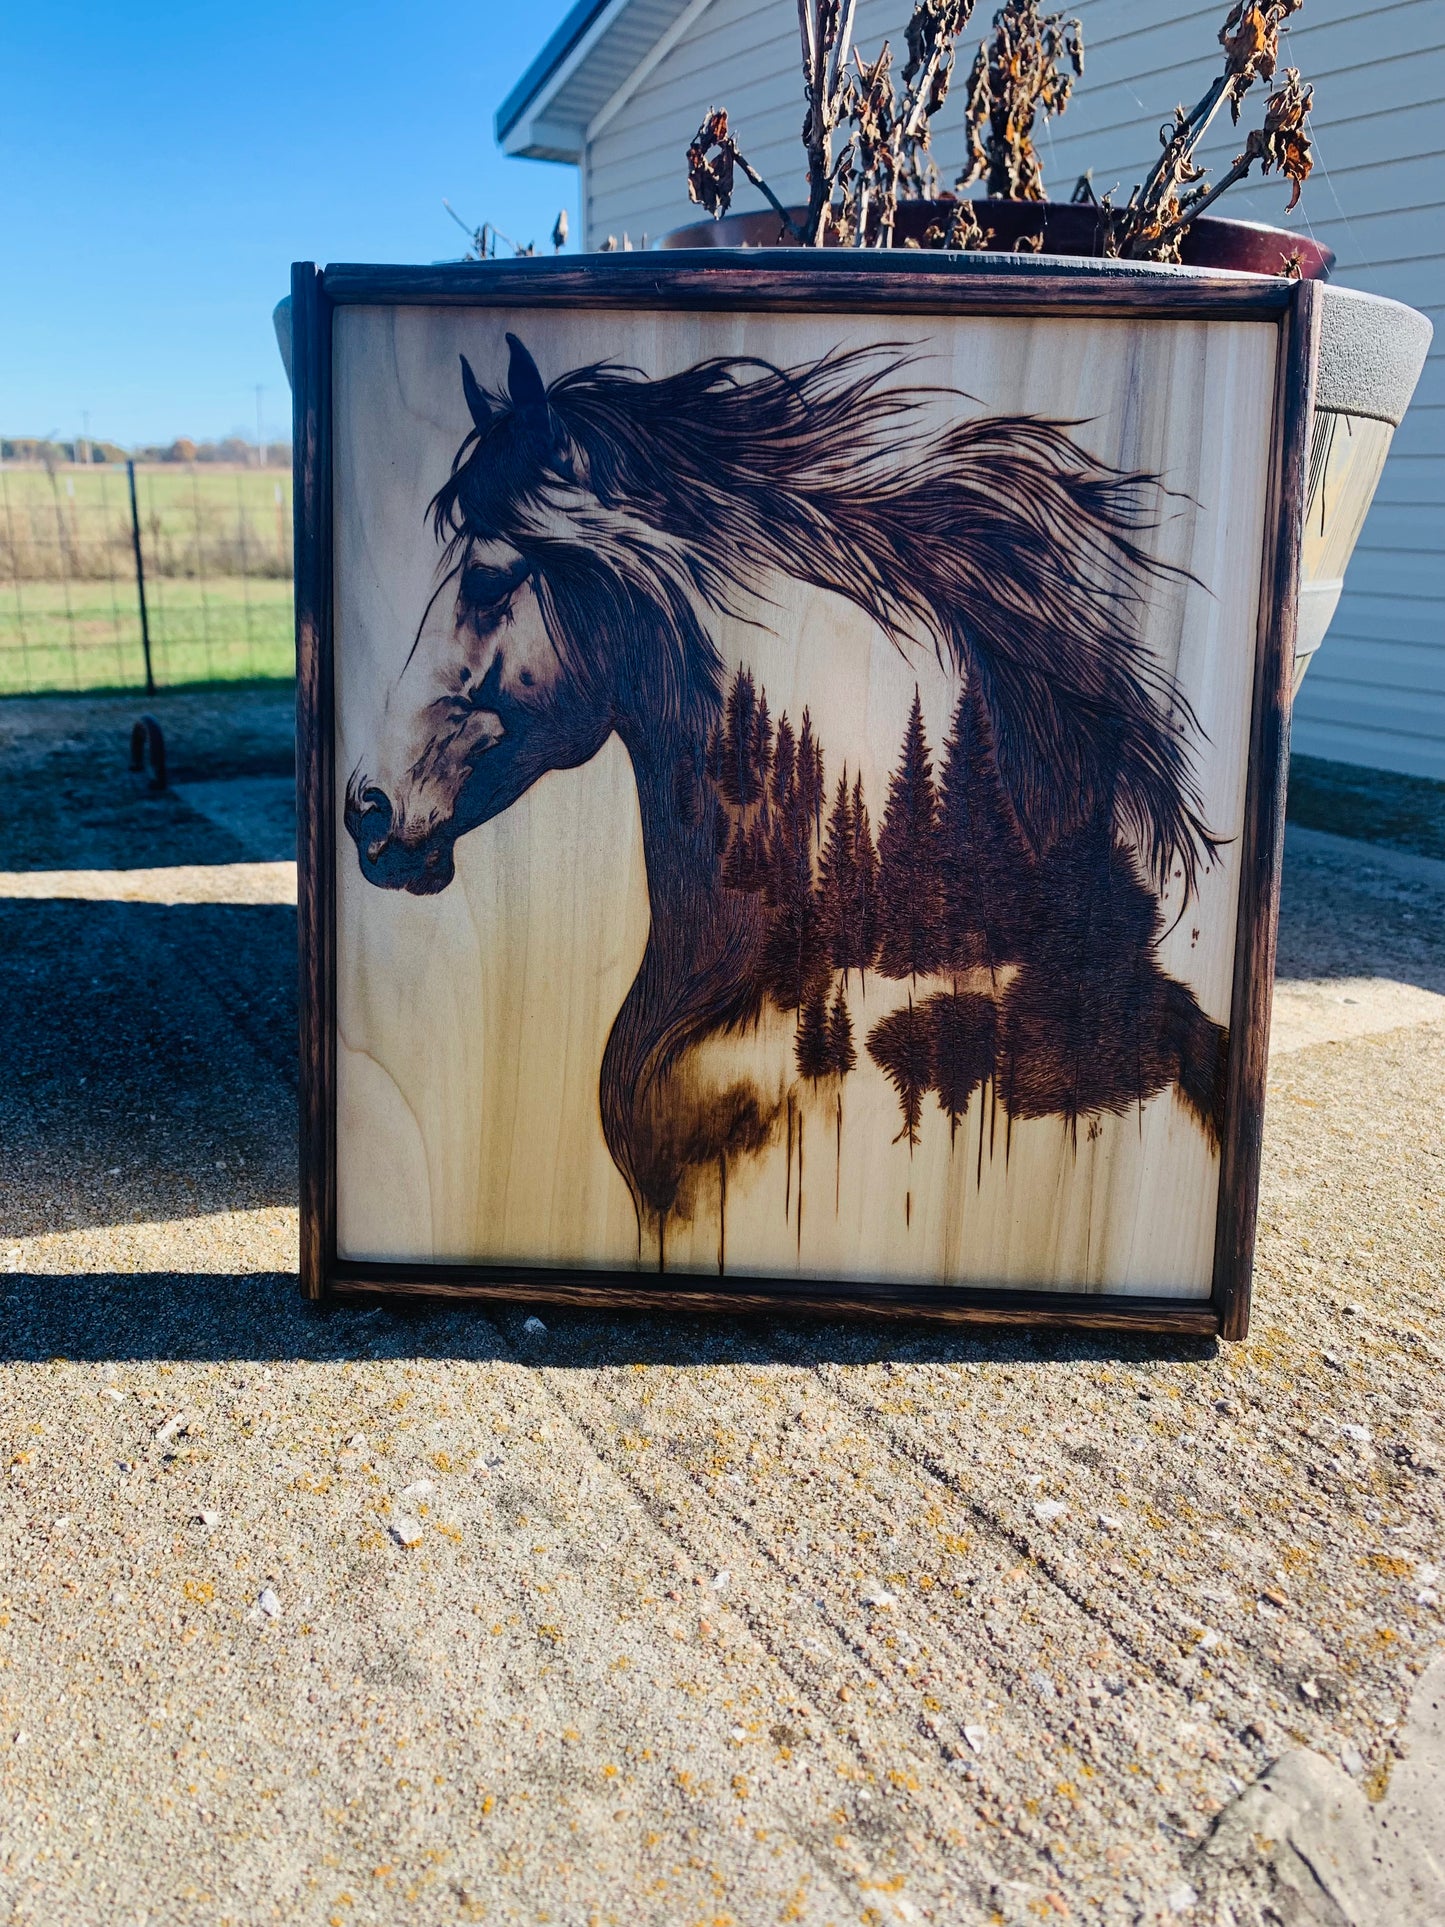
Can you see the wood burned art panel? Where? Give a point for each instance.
(790, 781)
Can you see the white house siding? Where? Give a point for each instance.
(1376, 693)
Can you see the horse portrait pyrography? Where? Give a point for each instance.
(983, 929)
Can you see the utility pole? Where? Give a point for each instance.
(260, 441)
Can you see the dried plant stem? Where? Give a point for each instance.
(1236, 173)
(768, 195)
(826, 31)
(1188, 133)
(1150, 224)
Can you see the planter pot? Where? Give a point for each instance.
(1371, 352)
(1058, 230)
(792, 752)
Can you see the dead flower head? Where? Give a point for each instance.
(1018, 78)
(1284, 142)
(1250, 39)
(711, 158)
(931, 35)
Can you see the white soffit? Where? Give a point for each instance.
(587, 69)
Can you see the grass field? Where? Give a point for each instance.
(216, 544)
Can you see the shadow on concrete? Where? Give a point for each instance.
(113, 1316)
(149, 1062)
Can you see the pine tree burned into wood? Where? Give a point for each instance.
(813, 1048)
(865, 883)
(739, 742)
(841, 1054)
(810, 778)
(838, 884)
(909, 921)
(785, 761)
(987, 872)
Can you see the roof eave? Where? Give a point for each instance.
(535, 138)
(525, 106)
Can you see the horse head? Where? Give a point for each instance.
(494, 691)
(593, 528)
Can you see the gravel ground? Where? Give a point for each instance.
(349, 1618)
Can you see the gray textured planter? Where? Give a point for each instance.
(1371, 354)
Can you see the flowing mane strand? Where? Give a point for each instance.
(999, 538)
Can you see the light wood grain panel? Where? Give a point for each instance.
(472, 1023)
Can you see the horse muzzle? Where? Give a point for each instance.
(388, 859)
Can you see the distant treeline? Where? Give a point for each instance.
(234, 449)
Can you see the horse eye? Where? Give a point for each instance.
(485, 599)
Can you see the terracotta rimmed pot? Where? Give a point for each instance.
(1371, 349)
(1054, 228)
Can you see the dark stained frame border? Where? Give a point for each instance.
(792, 281)
(315, 793)
(1259, 879)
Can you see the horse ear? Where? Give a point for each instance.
(529, 396)
(478, 406)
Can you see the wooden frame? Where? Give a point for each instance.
(915, 284)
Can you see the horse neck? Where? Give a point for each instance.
(666, 743)
(698, 965)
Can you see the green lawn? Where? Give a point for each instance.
(217, 549)
(87, 635)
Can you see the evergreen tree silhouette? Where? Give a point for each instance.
(900, 1044)
(1085, 1021)
(785, 761)
(812, 1047)
(760, 748)
(794, 954)
(810, 777)
(958, 861)
(841, 1054)
(838, 884)
(742, 869)
(988, 875)
(909, 919)
(737, 779)
(865, 882)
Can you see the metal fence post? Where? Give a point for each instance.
(140, 579)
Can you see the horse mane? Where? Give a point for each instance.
(1019, 555)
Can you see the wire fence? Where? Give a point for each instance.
(197, 578)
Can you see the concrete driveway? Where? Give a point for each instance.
(350, 1618)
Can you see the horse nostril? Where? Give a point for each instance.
(376, 815)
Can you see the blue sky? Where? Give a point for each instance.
(161, 166)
